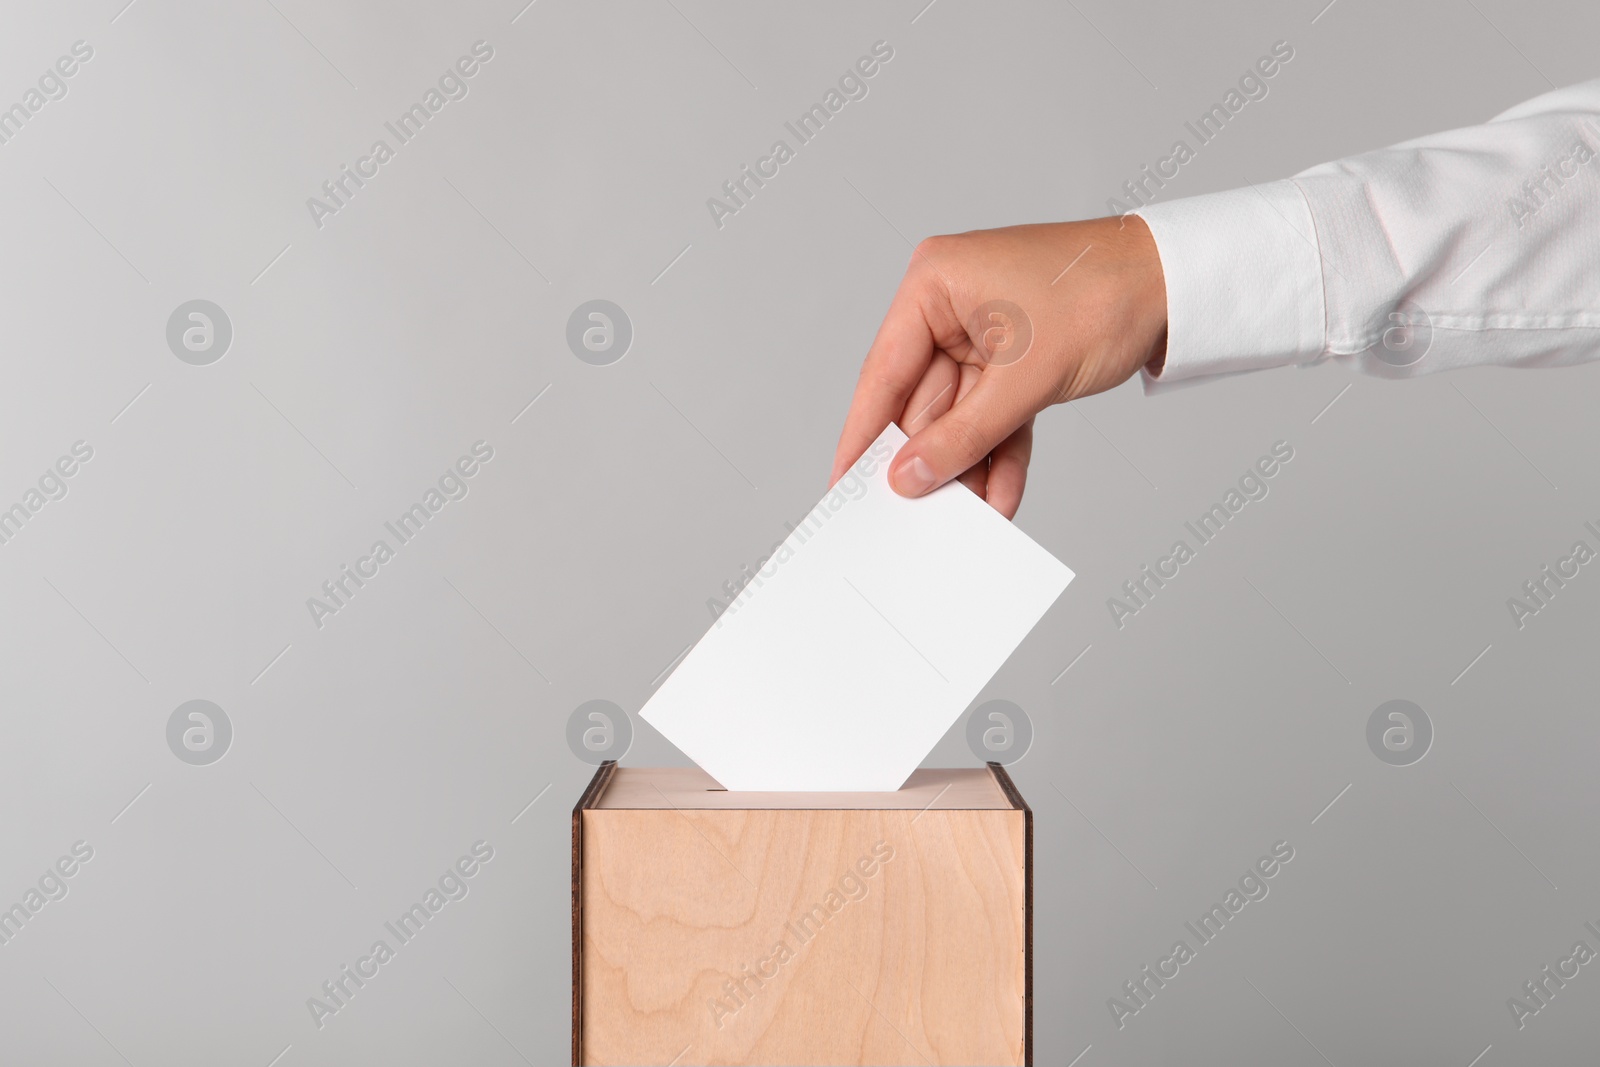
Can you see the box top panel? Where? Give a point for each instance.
(961, 788)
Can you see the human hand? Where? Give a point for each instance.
(1093, 310)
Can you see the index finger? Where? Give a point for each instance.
(895, 363)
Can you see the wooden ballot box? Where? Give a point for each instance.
(711, 927)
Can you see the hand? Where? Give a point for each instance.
(967, 391)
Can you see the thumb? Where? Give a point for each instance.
(962, 437)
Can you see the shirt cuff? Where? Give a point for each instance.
(1244, 281)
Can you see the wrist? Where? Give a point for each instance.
(1149, 292)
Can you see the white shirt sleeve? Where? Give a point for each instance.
(1475, 246)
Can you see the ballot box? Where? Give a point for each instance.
(716, 927)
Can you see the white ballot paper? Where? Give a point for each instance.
(851, 652)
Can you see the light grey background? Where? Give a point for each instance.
(369, 754)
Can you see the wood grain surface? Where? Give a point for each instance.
(786, 935)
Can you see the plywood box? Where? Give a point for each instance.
(711, 927)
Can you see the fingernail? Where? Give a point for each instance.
(913, 477)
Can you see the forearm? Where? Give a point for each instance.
(1474, 246)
